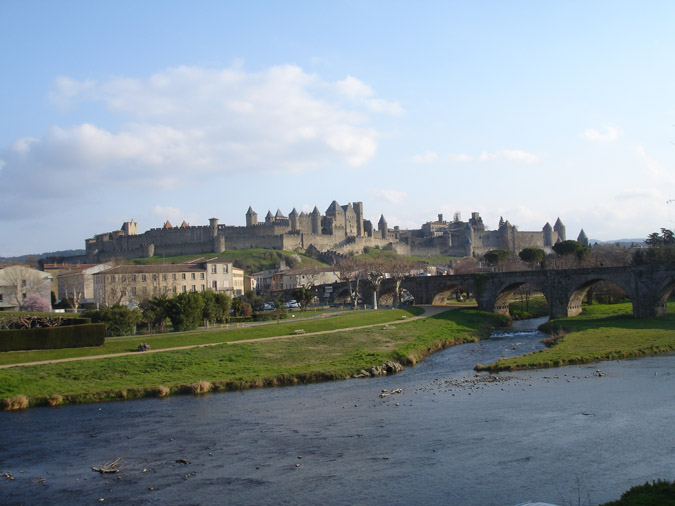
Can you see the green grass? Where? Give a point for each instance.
(383, 253)
(277, 362)
(601, 332)
(251, 260)
(171, 340)
(537, 306)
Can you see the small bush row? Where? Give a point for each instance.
(73, 336)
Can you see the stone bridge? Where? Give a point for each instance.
(648, 288)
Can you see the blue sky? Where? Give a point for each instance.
(156, 110)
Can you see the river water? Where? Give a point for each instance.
(568, 436)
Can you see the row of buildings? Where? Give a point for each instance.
(107, 284)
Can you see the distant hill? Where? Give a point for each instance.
(39, 256)
(622, 242)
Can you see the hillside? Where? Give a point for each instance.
(251, 260)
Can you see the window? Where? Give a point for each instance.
(0, 297)
(193, 289)
(184, 288)
(133, 290)
(164, 277)
(193, 276)
(225, 269)
(144, 277)
(165, 289)
(214, 269)
(173, 276)
(124, 279)
(215, 285)
(133, 278)
(112, 278)
(201, 275)
(183, 275)
(154, 277)
(175, 288)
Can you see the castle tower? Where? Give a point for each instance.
(293, 217)
(382, 227)
(548, 235)
(583, 238)
(269, 217)
(130, 227)
(560, 228)
(316, 221)
(213, 226)
(358, 209)
(350, 221)
(251, 217)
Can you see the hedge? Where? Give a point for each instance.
(73, 336)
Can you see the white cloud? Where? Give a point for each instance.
(358, 90)
(174, 215)
(510, 155)
(427, 157)
(657, 171)
(184, 123)
(611, 134)
(393, 196)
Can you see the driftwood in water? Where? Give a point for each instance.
(110, 467)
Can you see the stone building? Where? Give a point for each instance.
(131, 284)
(77, 284)
(18, 282)
(471, 238)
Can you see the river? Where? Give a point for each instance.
(565, 436)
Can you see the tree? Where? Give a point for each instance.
(223, 305)
(399, 269)
(566, 248)
(532, 255)
(185, 311)
(496, 256)
(304, 296)
(119, 320)
(661, 249)
(350, 270)
(375, 271)
(36, 304)
(155, 311)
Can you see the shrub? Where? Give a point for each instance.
(74, 336)
(16, 402)
(55, 400)
(201, 387)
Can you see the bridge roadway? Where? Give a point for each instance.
(648, 288)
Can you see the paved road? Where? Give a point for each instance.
(428, 311)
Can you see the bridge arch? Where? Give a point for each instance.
(662, 296)
(445, 291)
(576, 295)
(505, 295)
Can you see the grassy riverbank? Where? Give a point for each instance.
(217, 334)
(243, 365)
(601, 332)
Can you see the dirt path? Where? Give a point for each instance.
(428, 311)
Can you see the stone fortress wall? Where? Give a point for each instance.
(341, 228)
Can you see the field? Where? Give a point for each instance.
(298, 359)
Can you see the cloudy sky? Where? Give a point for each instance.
(173, 110)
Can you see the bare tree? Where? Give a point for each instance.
(376, 271)
(350, 270)
(399, 269)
